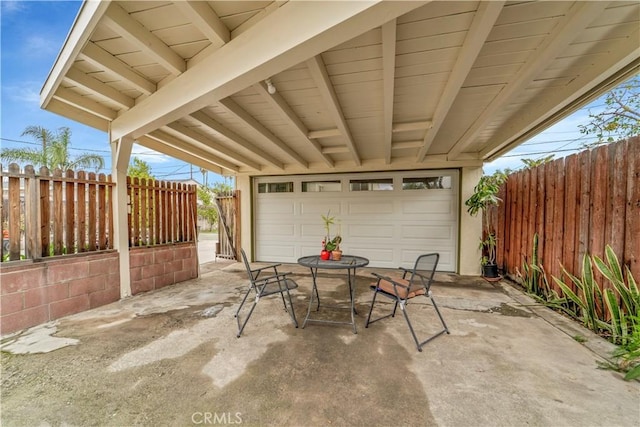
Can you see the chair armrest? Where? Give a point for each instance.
(390, 280)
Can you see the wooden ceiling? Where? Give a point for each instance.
(358, 85)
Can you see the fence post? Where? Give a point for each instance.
(14, 213)
(32, 220)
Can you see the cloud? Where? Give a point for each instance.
(37, 46)
(27, 93)
(150, 156)
(9, 6)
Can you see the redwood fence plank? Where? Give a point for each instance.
(599, 186)
(92, 212)
(617, 193)
(14, 213)
(144, 212)
(69, 205)
(540, 211)
(57, 215)
(549, 238)
(631, 255)
(81, 223)
(558, 218)
(45, 212)
(102, 212)
(571, 196)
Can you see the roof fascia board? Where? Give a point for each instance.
(286, 37)
(85, 23)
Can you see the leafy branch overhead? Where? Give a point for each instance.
(621, 117)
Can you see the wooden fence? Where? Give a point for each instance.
(50, 214)
(576, 205)
(161, 212)
(228, 205)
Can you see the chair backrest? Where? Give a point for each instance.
(247, 266)
(424, 270)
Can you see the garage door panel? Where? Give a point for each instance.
(431, 207)
(369, 208)
(431, 232)
(273, 207)
(312, 231)
(390, 228)
(375, 256)
(445, 263)
(320, 207)
(278, 253)
(371, 231)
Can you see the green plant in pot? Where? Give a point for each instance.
(331, 244)
(485, 195)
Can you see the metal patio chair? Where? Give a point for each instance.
(265, 281)
(413, 283)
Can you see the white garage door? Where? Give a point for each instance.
(389, 218)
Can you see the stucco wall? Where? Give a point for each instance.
(35, 292)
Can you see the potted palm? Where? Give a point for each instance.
(485, 195)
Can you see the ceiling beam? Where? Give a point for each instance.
(77, 114)
(103, 59)
(158, 142)
(212, 124)
(321, 78)
(205, 19)
(232, 107)
(208, 142)
(122, 23)
(580, 16)
(84, 103)
(388, 84)
(94, 85)
(411, 126)
(279, 104)
(323, 133)
(85, 24)
(547, 110)
(284, 38)
(483, 21)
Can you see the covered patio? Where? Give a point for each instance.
(294, 97)
(170, 357)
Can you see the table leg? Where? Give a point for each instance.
(314, 291)
(352, 298)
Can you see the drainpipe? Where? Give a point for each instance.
(120, 155)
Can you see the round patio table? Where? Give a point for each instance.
(347, 262)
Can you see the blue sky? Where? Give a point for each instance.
(32, 33)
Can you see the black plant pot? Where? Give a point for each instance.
(490, 271)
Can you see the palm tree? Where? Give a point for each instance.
(54, 153)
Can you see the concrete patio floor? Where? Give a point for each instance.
(171, 357)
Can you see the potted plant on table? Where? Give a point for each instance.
(485, 195)
(330, 246)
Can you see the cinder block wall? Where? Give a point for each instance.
(35, 292)
(155, 268)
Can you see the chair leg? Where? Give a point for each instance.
(241, 327)
(369, 321)
(366, 325)
(419, 344)
(439, 315)
(292, 313)
(242, 302)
